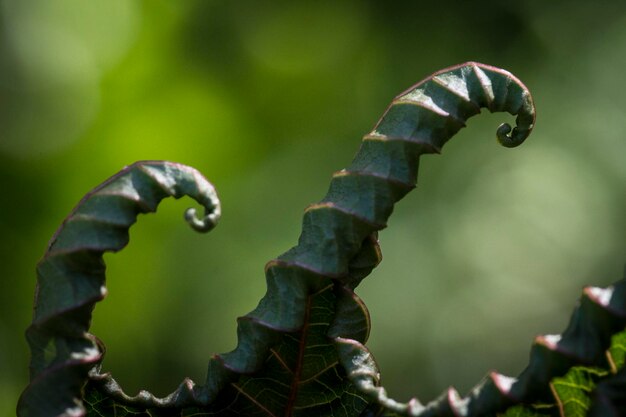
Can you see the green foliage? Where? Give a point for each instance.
(572, 390)
(302, 350)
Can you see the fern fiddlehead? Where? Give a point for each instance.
(301, 351)
(70, 277)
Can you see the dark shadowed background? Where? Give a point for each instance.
(267, 99)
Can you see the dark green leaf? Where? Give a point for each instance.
(70, 277)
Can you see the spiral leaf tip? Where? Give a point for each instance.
(203, 224)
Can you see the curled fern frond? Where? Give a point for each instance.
(71, 277)
(361, 197)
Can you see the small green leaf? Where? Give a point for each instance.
(572, 390)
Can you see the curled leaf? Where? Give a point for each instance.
(71, 279)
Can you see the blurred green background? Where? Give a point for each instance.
(267, 99)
